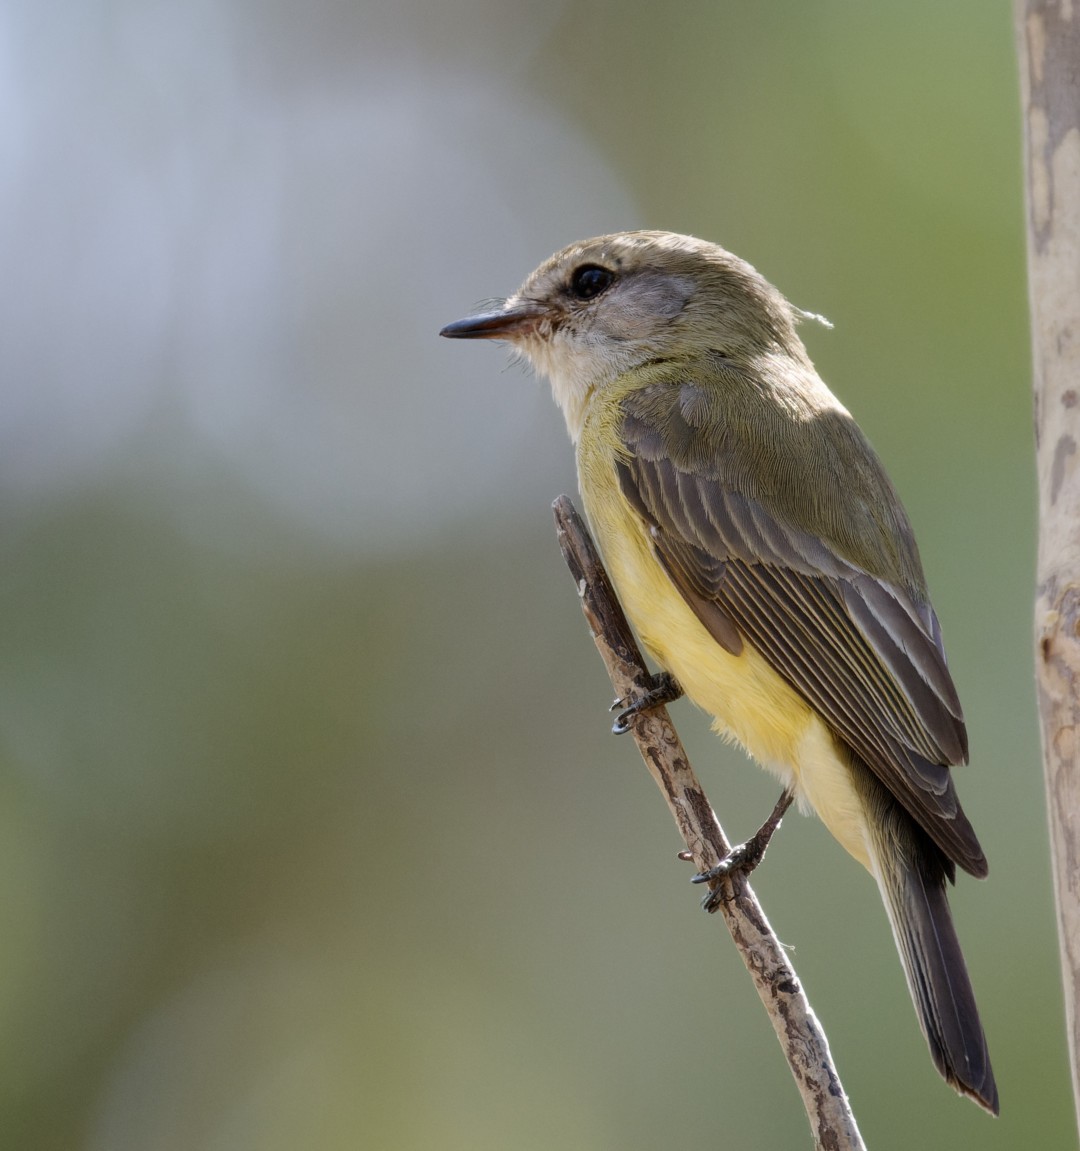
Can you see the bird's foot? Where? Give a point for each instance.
(742, 860)
(663, 689)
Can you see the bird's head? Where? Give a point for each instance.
(603, 307)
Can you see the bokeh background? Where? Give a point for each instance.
(312, 833)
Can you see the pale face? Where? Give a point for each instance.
(592, 312)
(604, 311)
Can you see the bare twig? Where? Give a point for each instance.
(1048, 42)
(793, 1020)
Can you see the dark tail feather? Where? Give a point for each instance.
(911, 876)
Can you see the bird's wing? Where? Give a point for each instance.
(864, 652)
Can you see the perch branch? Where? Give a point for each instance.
(801, 1036)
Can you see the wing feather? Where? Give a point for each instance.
(863, 650)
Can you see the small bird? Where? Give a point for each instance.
(768, 566)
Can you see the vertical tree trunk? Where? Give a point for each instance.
(1048, 42)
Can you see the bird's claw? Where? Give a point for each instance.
(742, 859)
(662, 689)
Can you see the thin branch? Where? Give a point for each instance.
(1048, 44)
(789, 1011)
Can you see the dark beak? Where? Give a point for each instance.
(513, 320)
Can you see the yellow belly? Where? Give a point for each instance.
(748, 700)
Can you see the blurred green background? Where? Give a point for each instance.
(312, 833)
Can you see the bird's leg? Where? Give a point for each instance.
(744, 858)
(663, 688)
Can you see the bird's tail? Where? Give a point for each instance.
(911, 872)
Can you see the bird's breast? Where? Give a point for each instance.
(749, 701)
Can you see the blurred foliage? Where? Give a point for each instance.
(311, 831)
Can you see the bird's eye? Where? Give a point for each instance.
(590, 280)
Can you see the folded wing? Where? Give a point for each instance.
(863, 651)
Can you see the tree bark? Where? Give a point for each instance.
(1048, 43)
(801, 1036)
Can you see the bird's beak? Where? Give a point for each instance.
(517, 318)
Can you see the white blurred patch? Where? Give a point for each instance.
(207, 249)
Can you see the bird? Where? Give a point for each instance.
(769, 568)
